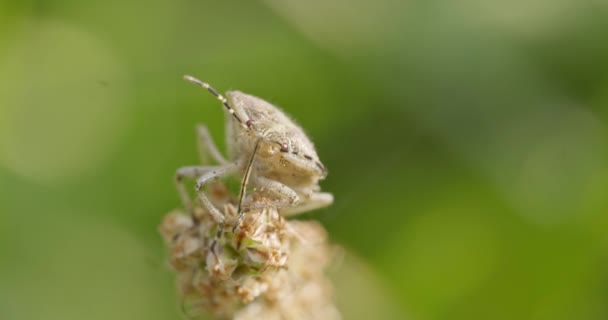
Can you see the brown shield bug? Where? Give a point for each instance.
(267, 149)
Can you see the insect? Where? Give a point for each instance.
(265, 147)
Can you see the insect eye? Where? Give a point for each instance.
(284, 148)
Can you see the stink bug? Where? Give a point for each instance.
(267, 149)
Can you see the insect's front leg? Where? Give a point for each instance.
(190, 172)
(216, 173)
(314, 201)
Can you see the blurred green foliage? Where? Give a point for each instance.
(466, 143)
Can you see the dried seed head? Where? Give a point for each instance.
(268, 269)
(301, 291)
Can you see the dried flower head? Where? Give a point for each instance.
(301, 291)
(268, 268)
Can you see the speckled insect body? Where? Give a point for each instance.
(267, 150)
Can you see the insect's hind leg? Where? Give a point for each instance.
(315, 201)
(206, 146)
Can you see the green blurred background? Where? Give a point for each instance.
(466, 143)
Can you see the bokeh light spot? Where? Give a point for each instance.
(77, 267)
(553, 181)
(62, 102)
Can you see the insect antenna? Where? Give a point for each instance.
(244, 183)
(220, 97)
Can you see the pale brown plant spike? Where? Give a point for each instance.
(268, 269)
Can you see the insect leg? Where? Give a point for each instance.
(216, 173)
(191, 172)
(280, 195)
(244, 183)
(207, 147)
(315, 201)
